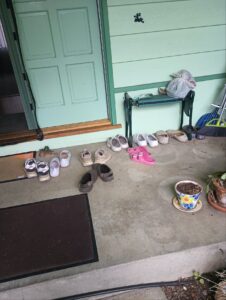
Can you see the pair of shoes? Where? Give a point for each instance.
(163, 136)
(141, 155)
(178, 135)
(192, 133)
(43, 170)
(62, 161)
(101, 156)
(35, 168)
(117, 143)
(146, 139)
(88, 179)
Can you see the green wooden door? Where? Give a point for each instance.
(61, 46)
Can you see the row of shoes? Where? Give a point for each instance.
(160, 137)
(100, 156)
(117, 143)
(102, 171)
(45, 170)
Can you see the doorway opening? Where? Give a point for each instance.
(12, 116)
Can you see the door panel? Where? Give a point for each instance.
(82, 90)
(47, 87)
(77, 21)
(62, 51)
(33, 25)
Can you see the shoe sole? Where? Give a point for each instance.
(87, 164)
(44, 177)
(31, 174)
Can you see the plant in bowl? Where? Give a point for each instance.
(188, 193)
(217, 186)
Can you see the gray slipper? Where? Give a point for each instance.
(87, 181)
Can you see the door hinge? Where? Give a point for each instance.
(25, 77)
(31, 106)
(15, 36)
(8, 4)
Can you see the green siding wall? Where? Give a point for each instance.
(183, 34)
(175, 35)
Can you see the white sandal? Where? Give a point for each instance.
(54, 167)
(123, 141)
(65, 157)
(114, 144)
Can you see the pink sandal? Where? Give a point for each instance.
(141, 155)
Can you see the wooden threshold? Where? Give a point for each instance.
(17, 137)
(79, 128)
(57, 131)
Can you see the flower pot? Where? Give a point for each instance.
(220, 191)
(188, 193)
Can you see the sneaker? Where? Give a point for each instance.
(65, 157)
(54, 167)
(102, 156)
(140, 140)
(151, 140)
(113, 144)
(123, 141)
(30, 167)
(86, 158)
(43, 171)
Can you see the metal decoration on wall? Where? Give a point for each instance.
(138, 18)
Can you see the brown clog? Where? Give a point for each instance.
(104, 172)
(87, 181)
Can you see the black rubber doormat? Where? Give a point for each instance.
(46, 236)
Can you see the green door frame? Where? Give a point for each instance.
(20, 72)
(17, 64)
(107, 58)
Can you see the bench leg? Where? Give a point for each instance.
(128, 104)
(182, 114)
(187, 108)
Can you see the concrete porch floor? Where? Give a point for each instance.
(140, 236)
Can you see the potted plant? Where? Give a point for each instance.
(217, 185)
(188, 193)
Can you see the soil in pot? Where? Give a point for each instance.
(188, 188)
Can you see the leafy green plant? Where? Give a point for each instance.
(216, 286)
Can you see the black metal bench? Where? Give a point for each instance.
(187, 108)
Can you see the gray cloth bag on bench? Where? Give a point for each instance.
(181, 84)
